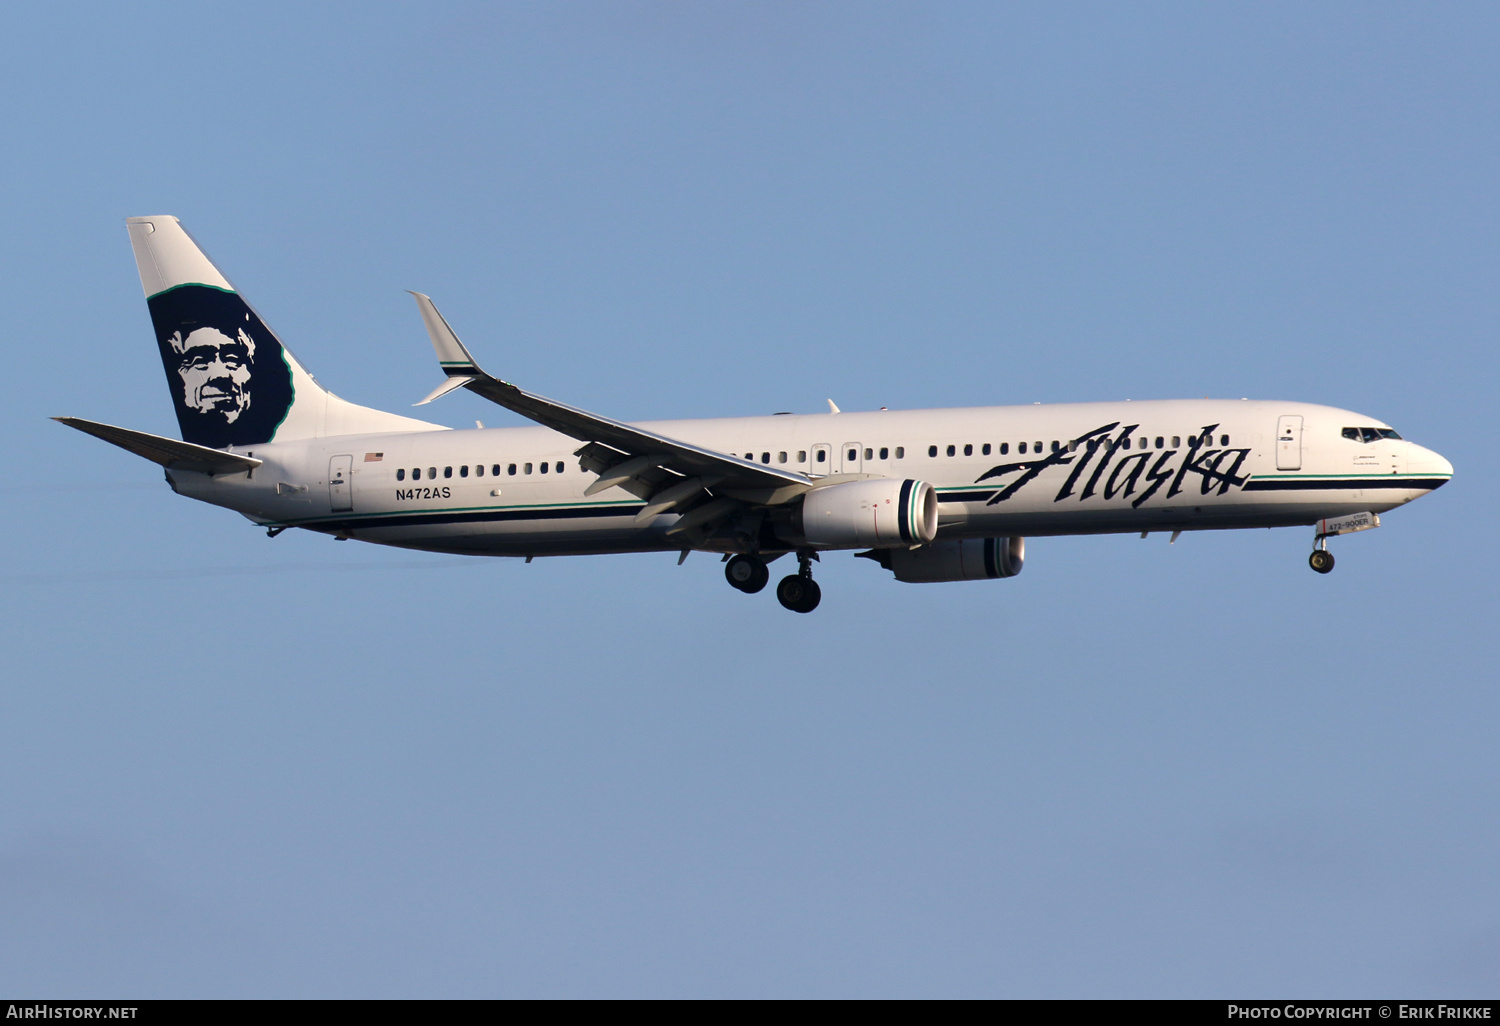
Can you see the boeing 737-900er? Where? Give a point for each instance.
(930, 495)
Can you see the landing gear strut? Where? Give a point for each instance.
(1321, 559)
(747, 573)
(799, 592)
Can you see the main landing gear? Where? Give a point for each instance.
(797, 592)
(746, 573)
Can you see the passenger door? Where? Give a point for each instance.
(341, 484)
(1289, 443)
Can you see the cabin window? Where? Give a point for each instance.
(801, 455)
(1223, 439)
(463, 471)
(853, 455)
(528, 468)
(495, 470)
(952, 450)
(1036, 446)
(1161, 443)
(765, 457)
(885, 453)
(546, 467)
(479, 470)
(781, 457)
(1021, 448)
(447, 471)
(1055, 446)
(559, 466)
(869, 454)
(432, 473)
(511, 470)
(400, 473)
(1004, 448)
(969, 450)
(932, 450)
(1125, 442)
(1176, 441)
(986, 450)
(750, 456)
(822, 456)
(900, 452)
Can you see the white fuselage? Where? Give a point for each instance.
(1102, 467)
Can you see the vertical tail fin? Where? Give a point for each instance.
(233, 383)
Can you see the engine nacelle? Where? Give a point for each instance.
(968, 559)
(880, 513)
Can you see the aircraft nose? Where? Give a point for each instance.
(1429, 464)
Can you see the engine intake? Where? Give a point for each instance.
(880, 513)
(968, 559)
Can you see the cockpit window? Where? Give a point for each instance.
(1369, 434)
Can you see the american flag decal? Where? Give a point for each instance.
(374, 457)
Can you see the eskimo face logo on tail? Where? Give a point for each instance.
(230, 382)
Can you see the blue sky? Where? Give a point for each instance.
(241, 767)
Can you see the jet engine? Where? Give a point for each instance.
(881, 513)
(968, 559)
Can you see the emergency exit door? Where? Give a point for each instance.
(340, 483)
(849, 455)
(822, 460)
(1289, 443)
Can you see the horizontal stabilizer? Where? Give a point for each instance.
(169, 452)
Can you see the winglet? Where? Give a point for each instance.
(833, 408)
(452, 356)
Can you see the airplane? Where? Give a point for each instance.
(928, 495)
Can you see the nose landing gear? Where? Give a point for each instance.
(1321, 559)
(799, 592)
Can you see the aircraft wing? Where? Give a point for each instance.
(169, 452)
(669, 473)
